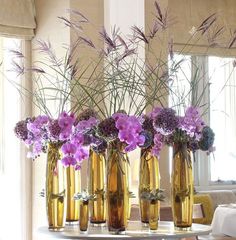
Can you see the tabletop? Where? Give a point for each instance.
(223, 222)
(135, 230)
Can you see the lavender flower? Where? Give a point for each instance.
(166, 121)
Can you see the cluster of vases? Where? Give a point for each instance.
(108, 182)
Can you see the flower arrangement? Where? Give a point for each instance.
(165, 127)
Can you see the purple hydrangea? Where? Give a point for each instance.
(166, 121)
(207, 139)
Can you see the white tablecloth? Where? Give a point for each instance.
(224, 220)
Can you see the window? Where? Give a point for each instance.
(215, 91)
(10, 153)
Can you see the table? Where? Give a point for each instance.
(135, 231)
(224, 219)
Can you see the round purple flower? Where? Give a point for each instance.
(147, 124)
(21, 130)
(86, 114)
(54, 130)
(207, 139)
(107, 129)
(166, 121)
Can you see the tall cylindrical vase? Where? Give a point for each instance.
(96, 186)
(73, 186)
(182, 186)
(55, 189)
(117, 189)
(149, 180)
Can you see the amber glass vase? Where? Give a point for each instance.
(84, 215)
(127, 174)
(55, 189)
(149, 180)
(154, 209)
(117, 189)
(73, 186)
(182, 186)
(96, 187)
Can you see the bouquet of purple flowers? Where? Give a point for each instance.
(165, 127)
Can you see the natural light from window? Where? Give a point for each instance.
(220, 72)
(10, 201)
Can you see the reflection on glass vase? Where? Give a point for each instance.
(55, 189)
(84, 215)
(96, 186)
(73, 186)
(149, 180)
(117, 188)
(182, 186)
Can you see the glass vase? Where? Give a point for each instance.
(154, 209)
(117, 188)
(149, 179)
(84, 215)
(55, 189)
(182, 186)
(73, 186)
(96, 186)
(127, 174)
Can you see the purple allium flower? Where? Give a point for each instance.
(86, 114)
(155, 112)
(21, 130)
(54, 130)
(192, 123)
(207, 139)
(158, 144)
(166, 121)
(147, 124)
(107, 129)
